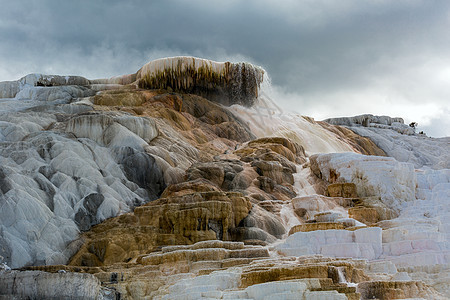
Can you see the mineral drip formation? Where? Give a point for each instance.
(226, 83)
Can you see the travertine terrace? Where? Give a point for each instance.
(181, 182)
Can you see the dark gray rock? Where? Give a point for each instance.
(86, 216)
(48, 187)
(5, 185)
(142, 169)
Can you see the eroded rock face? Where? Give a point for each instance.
(113, 130)
(222, 173)
(189, 187)
(196, 216)
(284, 147)
(308, 206)
(203, 257)
(344, 190)
(142, 169)
(260, 225)
(51, 178)
(183, 218)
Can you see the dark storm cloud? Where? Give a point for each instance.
(322, 53)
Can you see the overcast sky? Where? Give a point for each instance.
(325, 58)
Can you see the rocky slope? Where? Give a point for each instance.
(150, 186)
(399, 140)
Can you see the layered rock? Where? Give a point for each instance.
(289, 278)
(414, 235)
(203, 257)
(262, 168)
(361, 243)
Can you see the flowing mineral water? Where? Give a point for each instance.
(342, 279)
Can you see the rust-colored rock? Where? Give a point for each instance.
(316, 226)
(385, 290)
(199, 185)
(198, 216)
(283, 146)
(345, 190)
(183, 219)
(123, 97)
(260, 173)
(275, 273)
(220, 172)
(222, 122)
(207, 255)
(366, 215)
(209, 127)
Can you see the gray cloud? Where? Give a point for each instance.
(325, 58)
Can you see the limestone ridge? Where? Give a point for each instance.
(10, 89)
(223, 82)
(399, 140)
(366, 120)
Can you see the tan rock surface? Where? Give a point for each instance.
(316, 226)
(395, 290)
(363, 145)
(345, 190)
(175, 220)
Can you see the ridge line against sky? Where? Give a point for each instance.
(325, 58)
